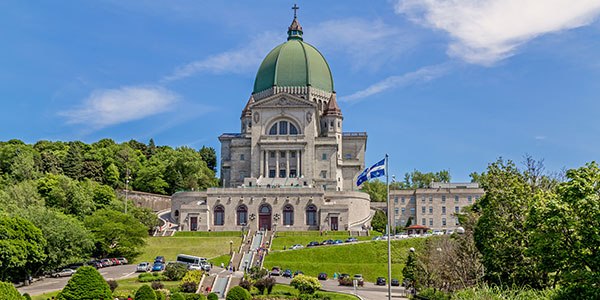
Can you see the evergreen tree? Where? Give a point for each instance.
(50, 163)
(86, 283)
(73, 163)
(9, 292)
(151, 149)
(145, 292)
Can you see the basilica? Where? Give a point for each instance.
(291, 166)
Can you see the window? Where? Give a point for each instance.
(430, 222)
(241, 176)
(422, 198)
(422, 209)
(288, 215)
(423, 222)
(293, 154)
(176, 213)
(443, 198)
(281, 173)
(430, 199)
(457, 223)
(250, 124)
(443, 221)
(272, 154)
(242, 215)
(311, 215)
(282, 154)
(456, 209)
(396, 210)
(403, 222)
(403, 210)
(412, 210)
(396, 200)
(469, 198)
(443, 210)
(272, 173)
(331, 124)
(324, 174)
(293, 129)
(219, 215)
(431, 209)
(273, 130)
(412, 199)
(241, 156)
(396, 222)
(283, 127)
(324, 156)
(455, 198)
(402, 200)
(476, 198)
(348, 156)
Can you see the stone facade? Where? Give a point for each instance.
(433, 206)
(155, 202)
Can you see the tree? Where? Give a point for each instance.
(50, 163)
(175, 271)
(210, 157)
(146, 216)
(305, 284)
(22, 166)
(379, 221)
(92, 170)
(20, 195)
(145, 292)
(151, 149)
(238, 293)
(409, 222)
(111, 175)
(67, 195)
(103, 195)
(86, 283)
(21, 248)
(67, 240)
(9, 292)
(116, 234)
(376, 190)
(73, 162)
(417, 179)
(411, 269)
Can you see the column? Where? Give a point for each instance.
(260, 164)
(266, 163)
(277, 164)
(298, 163)
(287, 164)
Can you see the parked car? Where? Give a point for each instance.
(402, 235)
(159, 259)
(322, 276)
(157, 267)
(437, 232)
(344, 275)
(312, 244)
(115, 261)
(338, 242)
(297, 246)
(351, 239)
(143, 267)
(95, 263)
(287, 273)
(205, 266)
(276, 271)
(298, 273)
(449, 231)
(327, 242)
(195, 267)
(427, 234)
(75, 266)
(380, 281)
(64, 273)
(106, 262)
(414, 235)
(122, 260)
(395, 282)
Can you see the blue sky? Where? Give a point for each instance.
(436, 84)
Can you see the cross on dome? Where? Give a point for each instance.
(295, 8)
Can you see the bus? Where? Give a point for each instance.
(189, 259)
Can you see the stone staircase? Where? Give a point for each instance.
(237, 259)
(208, 281)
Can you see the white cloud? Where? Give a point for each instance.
(487, 31)
(241, 60)
(421, 75)
(108, 107)
(540, 137)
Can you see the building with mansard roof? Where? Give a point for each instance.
(291, 166)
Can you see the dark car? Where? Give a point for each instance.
(287, 273)
(395, 282)
(380, 281)
(298, 273)
(322, 276)
(327, 242)
(338, 242)
(95, 263)
(159, 259)
(344, 275)
(312, 244)
(106, 262)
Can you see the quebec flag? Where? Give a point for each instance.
(375, 170)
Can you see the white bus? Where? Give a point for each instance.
(190, 260)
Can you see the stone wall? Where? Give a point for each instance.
(155, 202)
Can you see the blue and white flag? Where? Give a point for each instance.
(375, 170)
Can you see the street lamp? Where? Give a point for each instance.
(230, 247)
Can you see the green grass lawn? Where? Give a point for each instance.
(169, 247)
(209, 233)
(288, 240)
(128, 286)
(368, 259)
(45, 296)
(286, 290)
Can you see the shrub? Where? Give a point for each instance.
(153, 278)
(145, 292)
(112, 285)
(189, 287)
(434, 294)
(26, 296)
(246, 284)
(238, 293)
(176, 296)
(193, 276)
(264, 284)
(159, 295)
(212, 296)
(305, 284)
(194, 297)
(257, 273)
(155, 273)
(86, 283)
(175, 271)
(9, 292)
(156, 285)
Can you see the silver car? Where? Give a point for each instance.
(64, 273)
(144, 267)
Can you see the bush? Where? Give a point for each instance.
(194, 297)
(238, 293)
(305, 284)
(86, 283)
(112, 285)
(176, 296)
(9, 292)
(145, 292)
(175, 271)
(434, 294)
(264, 284)
(156, 285)
(189, 287)
(26, 296)
(212, 296)
(246, 284)
(159, 295)
(256, 273)
(193, 276)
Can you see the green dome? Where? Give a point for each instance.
(294, 63)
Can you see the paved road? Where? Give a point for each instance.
(369, 291)
(47, 285)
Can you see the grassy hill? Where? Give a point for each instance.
(368, 259)
(169, 247)
(289, 238)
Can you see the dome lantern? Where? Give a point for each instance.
(295, 30)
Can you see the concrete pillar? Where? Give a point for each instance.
(267, 163)
(287, 164)
(277, 164)
(298, 163)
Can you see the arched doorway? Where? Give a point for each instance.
(264, 217)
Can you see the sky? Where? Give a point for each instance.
(438, 85)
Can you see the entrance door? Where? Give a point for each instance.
(334, 223)
(264, 217)
(193, 223)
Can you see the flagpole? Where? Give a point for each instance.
(389, 214)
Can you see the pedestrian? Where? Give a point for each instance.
(208, 289)
(283, 247)
(211, 264)
(129, 298)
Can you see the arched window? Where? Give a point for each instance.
(219, 215)
(273, 130)
(176, 213)
(288, 215)
(283, 128)
(311, 215)
(293, 130)
(265, 209)
(242, 215)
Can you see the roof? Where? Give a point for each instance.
(332, 107)
(230, 135)
(417, 227)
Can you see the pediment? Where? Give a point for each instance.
(282, 100)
